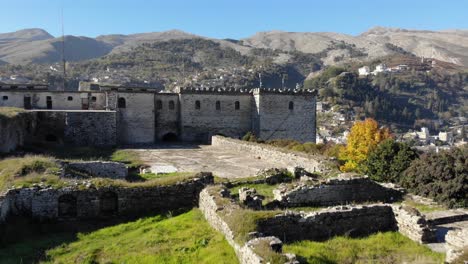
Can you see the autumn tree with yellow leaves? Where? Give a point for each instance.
(363, 138)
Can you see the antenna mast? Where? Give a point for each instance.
(63, 55)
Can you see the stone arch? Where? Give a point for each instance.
(218, 105)
(197, 105)
(291, 105)
(67, 206)
(171, 105)
(121, 103)
(109, 203)
(170, 137)
(237, 105)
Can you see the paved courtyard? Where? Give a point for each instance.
(193, 158)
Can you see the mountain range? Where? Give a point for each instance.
(38, 46)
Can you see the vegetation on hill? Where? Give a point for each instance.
(406, 99)
(186, 238)
(9, 112)
(389, 247)
(442, 176)
(389, 160)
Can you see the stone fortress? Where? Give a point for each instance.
(109, 116)
(105, 115)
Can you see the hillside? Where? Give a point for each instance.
(37, 46)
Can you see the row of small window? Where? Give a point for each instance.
(159, 105)
(69, 98)
(217, 105)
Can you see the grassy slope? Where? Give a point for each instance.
(389, 247)
(186, 238)
(9, 112)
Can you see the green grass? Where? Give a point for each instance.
(28, 170)
(131, 158)
(33, 169)
(424, 208)
(186, 238)
(152, 176)
(9, 112)
(389, 247)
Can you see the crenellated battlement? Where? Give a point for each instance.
(207, 90)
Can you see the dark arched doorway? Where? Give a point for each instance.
(170, 137)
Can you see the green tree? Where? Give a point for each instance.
(388, 161)
(442, 176)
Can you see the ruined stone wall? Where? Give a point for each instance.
(200, 124)
(103, 169)
(91, 128)
(108, 201)
(413, 225)
(286, 116)
(167, 109)
(211, 209)
(136, 121)
(270, 153)
(325, 224)
(456, 242)
(336, 191)
(15, 131)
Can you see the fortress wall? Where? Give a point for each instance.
(15, 131)
(277, 121)
(59, 99)
(336, 191)
(136, 122)
(108, 201)
(167, 119)
(91, 128)
(201, 124)
(272, 154)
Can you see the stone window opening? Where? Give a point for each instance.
(67, 206)
(291, 105)
(121, 103)
(70, 98)
(93, 98)
(171, 105)
(197, 105)
(49, 102)
(159, 105)
(5, 98)
(237, 105)
(218, 105)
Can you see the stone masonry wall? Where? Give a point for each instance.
(286, 116)
(14, 131)
(90, 203)
(336, 191)
(325, 224)
(200, 124)
(210, 209)
(413, 225)
(91, 128)
(309, 163)
(103, 169)
(456, 242)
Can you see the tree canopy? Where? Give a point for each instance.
(363, 138)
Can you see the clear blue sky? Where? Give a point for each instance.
(229, 18)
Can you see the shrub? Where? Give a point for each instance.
(388, 161)
(442, 176)
(249, 136)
